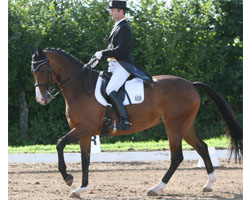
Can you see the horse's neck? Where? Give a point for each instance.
(81, 87)
(72, 85)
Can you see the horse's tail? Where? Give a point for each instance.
(235, 131)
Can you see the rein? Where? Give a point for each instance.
(50, 87)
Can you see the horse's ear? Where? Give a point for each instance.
(40, 51)
(32, 51)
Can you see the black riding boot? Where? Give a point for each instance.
(121, 111)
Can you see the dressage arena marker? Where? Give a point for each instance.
(95, 144)
(213, 156)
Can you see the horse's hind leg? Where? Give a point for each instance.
(201, 147)
(175, 138)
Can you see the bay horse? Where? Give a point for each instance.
(169, 99)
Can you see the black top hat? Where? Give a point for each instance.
(119, 4)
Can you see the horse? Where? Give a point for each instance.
(169, 99)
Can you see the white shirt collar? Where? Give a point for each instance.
(119, 21)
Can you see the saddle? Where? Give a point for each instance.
(105, 80)
(109, 108)
(132, 92)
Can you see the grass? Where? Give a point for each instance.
(219, 143)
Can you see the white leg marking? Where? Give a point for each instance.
(154, 190)
(77, 192)
(211, 180)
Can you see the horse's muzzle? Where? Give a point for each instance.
(43, 99)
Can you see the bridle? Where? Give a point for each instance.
(50, 86)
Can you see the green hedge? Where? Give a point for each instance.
(198, 40)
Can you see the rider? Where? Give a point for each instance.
(121, 65)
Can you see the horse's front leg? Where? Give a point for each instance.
(72, 136)
(85, 144)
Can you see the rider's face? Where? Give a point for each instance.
(116, 14)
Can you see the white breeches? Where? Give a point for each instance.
(120, 75)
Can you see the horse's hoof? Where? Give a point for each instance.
(69, 180)
(74, 195)
(151, 193)
(207, 189)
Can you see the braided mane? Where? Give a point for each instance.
(66, 54)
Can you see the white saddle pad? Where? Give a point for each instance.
(134, 88)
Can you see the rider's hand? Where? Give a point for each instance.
(94, 64)
(98, 55)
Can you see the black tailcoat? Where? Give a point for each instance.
(120, 47)
(120, 43)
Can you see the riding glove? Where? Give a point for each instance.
(98, 55)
